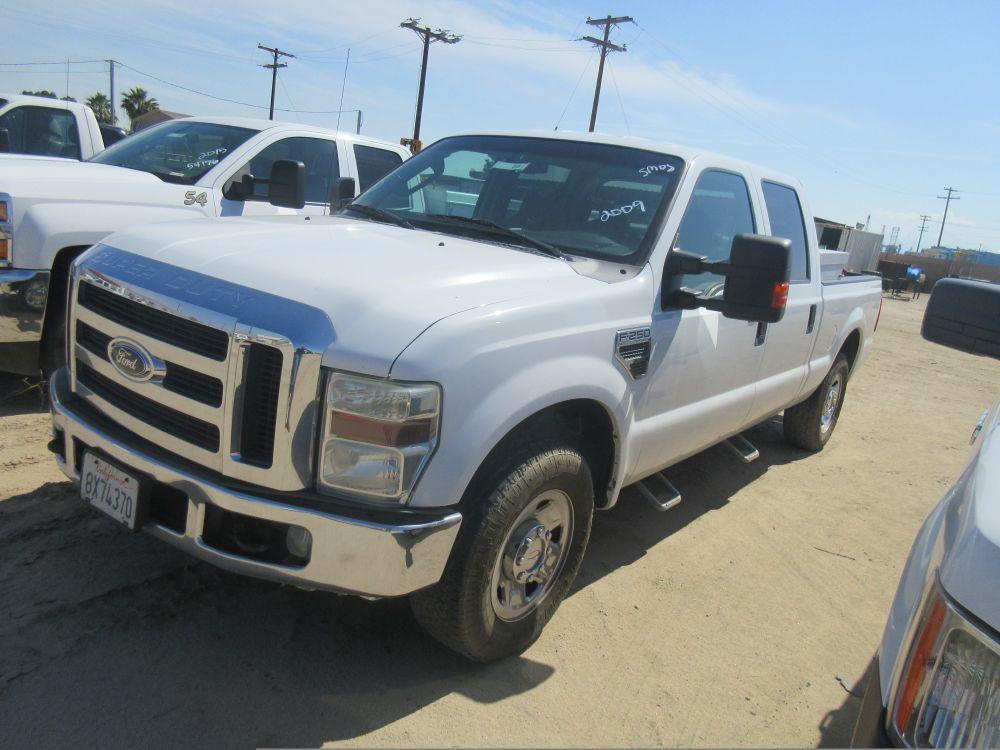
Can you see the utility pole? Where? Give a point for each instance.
(427, 36)
(947, 201)
(273, 66)
(604, 45)
(924, 218)
(111, 68)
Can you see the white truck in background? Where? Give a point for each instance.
(40, 126)
(432, 392)
(51, 210)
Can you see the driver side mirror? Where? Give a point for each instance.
(287, 185)
(757, 274)
(964, 315)
(4, 141)
(342, 193)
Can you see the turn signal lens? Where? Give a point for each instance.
(780, 296)
(920, 662)
(4, 212)
(4, 250)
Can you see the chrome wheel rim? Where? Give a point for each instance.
(830, 402)
(532, 555)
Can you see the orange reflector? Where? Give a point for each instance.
(4, 249)
(3, 211)
(780, 297)
(919, 664)
(379, 431)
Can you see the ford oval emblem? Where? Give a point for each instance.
(131, 359)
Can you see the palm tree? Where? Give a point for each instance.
(137, 102)
(101, 106)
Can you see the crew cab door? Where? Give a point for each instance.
(321, 157)
(703, 369)
(788, 343)
(371, 163)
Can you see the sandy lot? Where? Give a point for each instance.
(726, 621)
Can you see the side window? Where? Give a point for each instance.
(719, 210)
(785, 213)
(42, 131)
(374, 164)
(318, 154)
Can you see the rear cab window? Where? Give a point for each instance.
(785, 215)
(374, 164)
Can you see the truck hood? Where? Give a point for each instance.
(55, 173)
(970, 565)
(380, 286)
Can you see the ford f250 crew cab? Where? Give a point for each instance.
(431, 393)
(935, 681)
(51, 210)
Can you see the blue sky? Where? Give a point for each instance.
(876, 106)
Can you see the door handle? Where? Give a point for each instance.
(812, 319)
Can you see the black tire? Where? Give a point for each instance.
(459, 610)
(804, 424)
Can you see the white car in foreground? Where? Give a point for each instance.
(935, 681)
(431, 393)
(51, 210)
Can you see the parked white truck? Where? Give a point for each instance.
(51, 210)
(431, 393)
(40, 126)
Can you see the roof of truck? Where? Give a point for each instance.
(258, 123)
(688, 153)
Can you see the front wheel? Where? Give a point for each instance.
(810, 424)
(519, 550)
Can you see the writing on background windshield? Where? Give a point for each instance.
(587, 199)
(178, 152)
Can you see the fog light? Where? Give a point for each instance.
(299, 541)
(36, 294)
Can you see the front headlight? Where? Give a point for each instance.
(949, 690)
(377, 436)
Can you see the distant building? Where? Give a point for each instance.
(863, 246)
(154, 117)
(977, 257)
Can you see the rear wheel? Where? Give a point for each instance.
(810, 424)
(517, 554)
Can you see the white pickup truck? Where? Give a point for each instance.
(51, 210)
(431, 393)
(40, 126)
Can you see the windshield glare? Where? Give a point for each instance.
(180, 151)
(589, 199)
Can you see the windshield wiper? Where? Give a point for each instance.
(499, 229)
(378, 214)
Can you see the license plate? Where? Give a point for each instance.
(111, 490)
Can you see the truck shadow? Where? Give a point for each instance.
(20, 395)
(129, 642)
(624, 534)
(836, 728)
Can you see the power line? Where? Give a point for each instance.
(621, 104)
(924, 218)
(604, 45)
(273, 66)
(573, 92)
(947, 202)
(427, 36)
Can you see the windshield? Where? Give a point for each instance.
(180, 151)
(588, 199)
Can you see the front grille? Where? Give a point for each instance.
(173, 329)
(181, 380)
(260, 404)
(163, 418)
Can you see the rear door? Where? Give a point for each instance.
(373, 163)
(788, 343)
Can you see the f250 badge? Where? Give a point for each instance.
(632, 348)
(191, 197)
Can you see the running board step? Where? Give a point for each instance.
(659, 491)
(743, 448)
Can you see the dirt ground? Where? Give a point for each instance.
(743, 617)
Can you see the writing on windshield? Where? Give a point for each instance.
(180, 151)
(591, 199)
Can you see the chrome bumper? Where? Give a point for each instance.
(22, 304)
(349, 555)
